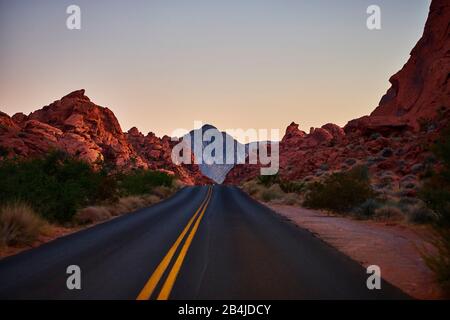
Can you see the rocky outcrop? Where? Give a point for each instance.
(92, 133)
(157, 152)
(390, 141)
(89, 131)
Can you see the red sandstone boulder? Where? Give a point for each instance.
(336, 131)
(19, 118)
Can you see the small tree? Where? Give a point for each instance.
(341, 191)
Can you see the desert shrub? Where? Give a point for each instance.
(340, 191)
(420, 214)
(436, 189)
(439, 261)
(131, 203)
(406, 202)
(151, 199)
(409, 182)
(292, 186)
(367, 209)
(161, 191)
(55, 185)
(121, 206)
(252, 187)
(141, 181)
(272, 193)
(268, 180)
(177, 184)
(291, 199)
(388, 212)
(435, 192)
(92, 214)
(19, 224)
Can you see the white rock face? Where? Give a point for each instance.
(218, 151)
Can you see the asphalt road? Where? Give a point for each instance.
(202, 243)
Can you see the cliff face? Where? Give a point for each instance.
(421, 89)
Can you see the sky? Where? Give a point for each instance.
(160, 65)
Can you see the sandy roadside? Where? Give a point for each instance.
(393, 247)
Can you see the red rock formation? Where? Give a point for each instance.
(422, 87)
(157, 152)
(390, 141)
(90, 132)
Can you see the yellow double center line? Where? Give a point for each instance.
(154, 279)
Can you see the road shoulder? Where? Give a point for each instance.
(393, 247)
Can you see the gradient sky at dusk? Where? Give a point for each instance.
(161, 64)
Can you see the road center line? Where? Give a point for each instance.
(152, 282)
(170, 281)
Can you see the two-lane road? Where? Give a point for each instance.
(210, 242)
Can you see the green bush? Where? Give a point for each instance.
(55, 185)
(420, 214)
(367, 209)
(268, 180)
(436, 189)
(340, 191)
(292, 186)
(141, 181)
(435, 192)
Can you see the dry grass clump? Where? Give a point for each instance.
(124, 205)
(19, 224)
(290, 199)
(162, 191)
(273, 193)
(92, 214)
(252, 187)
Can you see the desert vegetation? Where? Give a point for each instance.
(351, 193)
(435, 192)
(57, 189)
(274, 190)
(340, 191)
